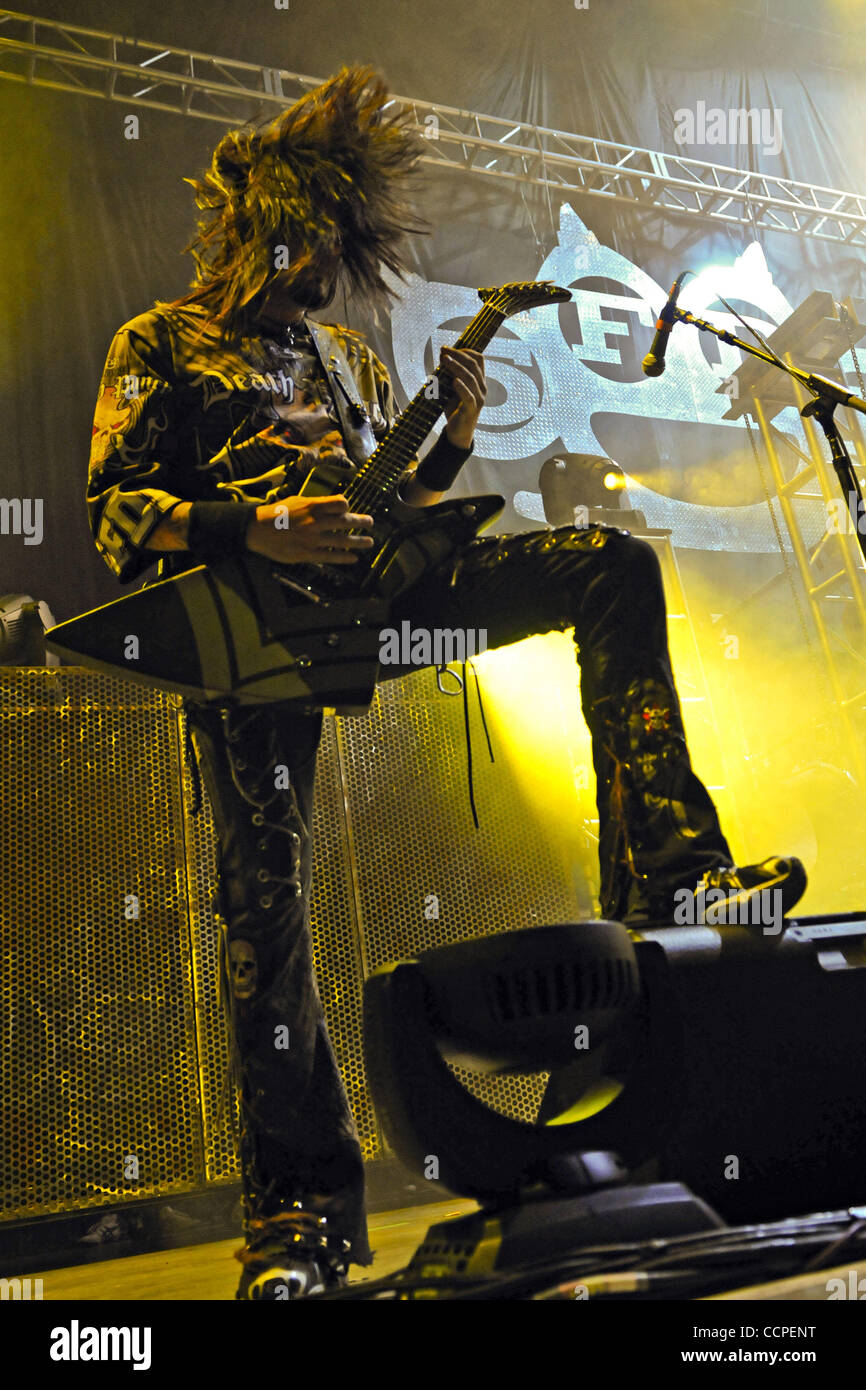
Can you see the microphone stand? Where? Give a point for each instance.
(826, 396)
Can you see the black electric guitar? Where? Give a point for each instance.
(252, 630)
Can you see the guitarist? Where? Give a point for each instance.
(211, 412)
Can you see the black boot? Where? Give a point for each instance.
(289, 1254)
(664, 860)
(658, 826)
(756, 895)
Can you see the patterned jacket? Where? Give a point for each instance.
(181, 417)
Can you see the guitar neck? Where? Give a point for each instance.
(375, 482)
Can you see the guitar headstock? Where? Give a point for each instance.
(525, 294)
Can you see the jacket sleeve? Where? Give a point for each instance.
(133, 447)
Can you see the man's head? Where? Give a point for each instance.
(314, 197)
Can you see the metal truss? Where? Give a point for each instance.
(135, 72)
(830, 584)
(831, 571)
(830, 575)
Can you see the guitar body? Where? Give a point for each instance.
(248, 631)
(326, 633)
(252, 631)
(407, 540)
(415, 540)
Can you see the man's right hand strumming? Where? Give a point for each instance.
(296, 530)
(299, 530)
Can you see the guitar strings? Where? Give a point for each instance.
(365, 489)
(467, 339)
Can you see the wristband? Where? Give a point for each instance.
(218, 530)
(438, 469)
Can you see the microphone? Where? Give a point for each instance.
(654, 362)
(840, 394)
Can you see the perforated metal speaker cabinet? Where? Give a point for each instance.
(114, 1064)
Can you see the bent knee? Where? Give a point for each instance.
(636, 562)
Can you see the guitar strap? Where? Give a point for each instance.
(357, 430)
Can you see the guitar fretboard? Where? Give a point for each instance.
(374, 484)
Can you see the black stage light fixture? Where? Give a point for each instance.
(582, 489)
(23, 621)
(735, 1059)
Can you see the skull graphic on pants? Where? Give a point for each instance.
(244, 969)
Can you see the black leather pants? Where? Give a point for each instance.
(658, 830)
(298, 1139)
(658, 827)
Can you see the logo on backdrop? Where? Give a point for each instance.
(569, 377)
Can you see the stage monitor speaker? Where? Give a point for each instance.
(771, 1085)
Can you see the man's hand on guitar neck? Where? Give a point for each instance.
(466, 391)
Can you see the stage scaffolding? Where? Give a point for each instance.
(138, 72)
(828, 576)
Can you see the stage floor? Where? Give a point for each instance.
(205, 1272)
(208, 1272)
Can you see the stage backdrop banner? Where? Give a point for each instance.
(95, 215)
